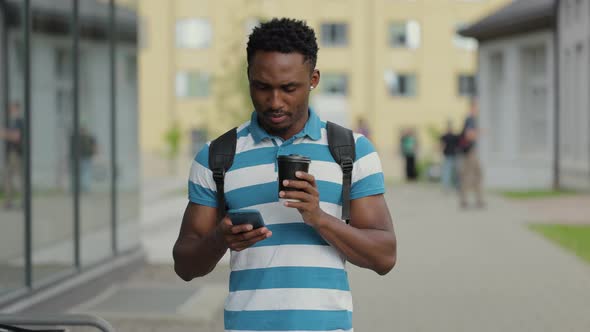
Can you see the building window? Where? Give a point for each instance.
(461, 42)
(466, 85)
(193, 33)
(334, 84)
(334, 34)
(404, 34)
(401, 84)
(192, 84)
(495, 66)
(534, 97)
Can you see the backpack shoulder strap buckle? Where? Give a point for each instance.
(347, 165)
(218, 174)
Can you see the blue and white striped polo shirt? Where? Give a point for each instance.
(294, 280)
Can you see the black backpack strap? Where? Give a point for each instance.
(342, 146)
(221, 156)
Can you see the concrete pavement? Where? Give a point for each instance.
(474, 270)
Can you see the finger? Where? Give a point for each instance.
(225, 225)
(246, 236)
(245, 244)
(301, 206)
(306, 176)
(301, 185)
(298, 195)
(236, 229)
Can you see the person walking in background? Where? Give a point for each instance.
(13, 135)
(87, 146)
(449, 144)
(86, 151)
(470, 173)
(362, 128)
(408, 147)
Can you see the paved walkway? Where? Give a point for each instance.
(471, 271)
(567, 209)
(474, 270)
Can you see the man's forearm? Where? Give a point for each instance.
(196, 257)
(370, 248)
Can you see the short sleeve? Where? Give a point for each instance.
(201, 187)
(367, 174)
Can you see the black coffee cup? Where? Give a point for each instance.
(288, 166)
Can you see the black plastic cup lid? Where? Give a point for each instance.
(294, 158)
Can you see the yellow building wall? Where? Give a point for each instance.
(437, 62)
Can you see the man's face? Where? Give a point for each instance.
(279, 87)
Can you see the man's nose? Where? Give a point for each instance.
(276, 102)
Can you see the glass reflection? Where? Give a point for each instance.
(52, 110)
(94, 136)
(12, 221)
(128, 168)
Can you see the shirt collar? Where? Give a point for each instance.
(312, 129)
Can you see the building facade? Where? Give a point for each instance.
(396, 64)
(535, 110)
(516, 79)
(71, 180)
(574, 93)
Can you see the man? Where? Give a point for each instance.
(449, 142)
(13, 135)
(87, 148)
(289, 275)
(470, 174)
(408, 147)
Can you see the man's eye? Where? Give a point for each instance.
(261, 87)
(289, 89)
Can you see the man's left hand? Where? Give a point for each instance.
(308, 196)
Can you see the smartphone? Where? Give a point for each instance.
(246, 216)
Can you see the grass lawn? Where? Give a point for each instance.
(530, 194)
(575, 238)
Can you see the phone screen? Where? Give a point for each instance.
(241, 217)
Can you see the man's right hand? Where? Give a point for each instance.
(240, 237)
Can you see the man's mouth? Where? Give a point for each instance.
(277, 118)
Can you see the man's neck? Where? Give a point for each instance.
(294, 129)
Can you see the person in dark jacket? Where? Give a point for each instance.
(408, 147)
(13, 135)
(449, 145)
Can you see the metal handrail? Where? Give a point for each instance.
(57, 320)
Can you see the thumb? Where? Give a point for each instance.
(225, 224)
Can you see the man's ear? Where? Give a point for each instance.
(315, 78)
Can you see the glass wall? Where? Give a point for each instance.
(63, 210)
(12, 217)
(127, 131)
(94, 134)
(52, 89)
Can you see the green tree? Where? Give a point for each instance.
(232, 95)
(173, 137)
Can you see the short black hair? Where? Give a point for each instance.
(284, 35)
